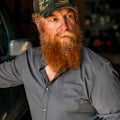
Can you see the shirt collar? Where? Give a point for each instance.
(42, 62)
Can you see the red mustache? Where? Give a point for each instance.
(66, 33)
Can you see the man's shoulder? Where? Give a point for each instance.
(34, 50)
(93, 59)
(34, 54)
(92, 63)
(30, 54)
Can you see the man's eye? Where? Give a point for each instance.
(69, 16)
(53, 19)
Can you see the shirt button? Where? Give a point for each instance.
(44, 110)
(47, 88)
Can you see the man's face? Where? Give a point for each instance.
(59, 24)
(60, 40)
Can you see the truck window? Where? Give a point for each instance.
(3, 37)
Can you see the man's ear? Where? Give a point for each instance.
(38, 21)
(38, 24)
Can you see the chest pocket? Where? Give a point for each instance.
(73, 97)
(85, 106)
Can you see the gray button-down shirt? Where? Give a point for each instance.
(89, 93)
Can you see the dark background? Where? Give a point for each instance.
(20, 13)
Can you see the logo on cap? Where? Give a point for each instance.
(43, 4)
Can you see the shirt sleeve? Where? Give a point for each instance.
(10, 73)
(106, 93)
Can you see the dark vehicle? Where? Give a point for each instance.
(13, 103)
(9, 45)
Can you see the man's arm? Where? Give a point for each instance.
(10, 73)
(106, 93)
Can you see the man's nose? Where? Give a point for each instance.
(64, 24)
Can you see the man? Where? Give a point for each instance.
(63, 80)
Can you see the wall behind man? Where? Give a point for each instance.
(81, 8)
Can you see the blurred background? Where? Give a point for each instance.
(98, 18)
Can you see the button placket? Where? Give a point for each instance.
(45, 102)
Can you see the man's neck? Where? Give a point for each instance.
(50, 73)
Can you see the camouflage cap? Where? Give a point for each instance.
(47, 7)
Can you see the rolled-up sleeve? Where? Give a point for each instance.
(10, 73)
(106, 93)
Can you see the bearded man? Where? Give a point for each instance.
(63, 79)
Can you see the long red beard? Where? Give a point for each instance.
(61, 56)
